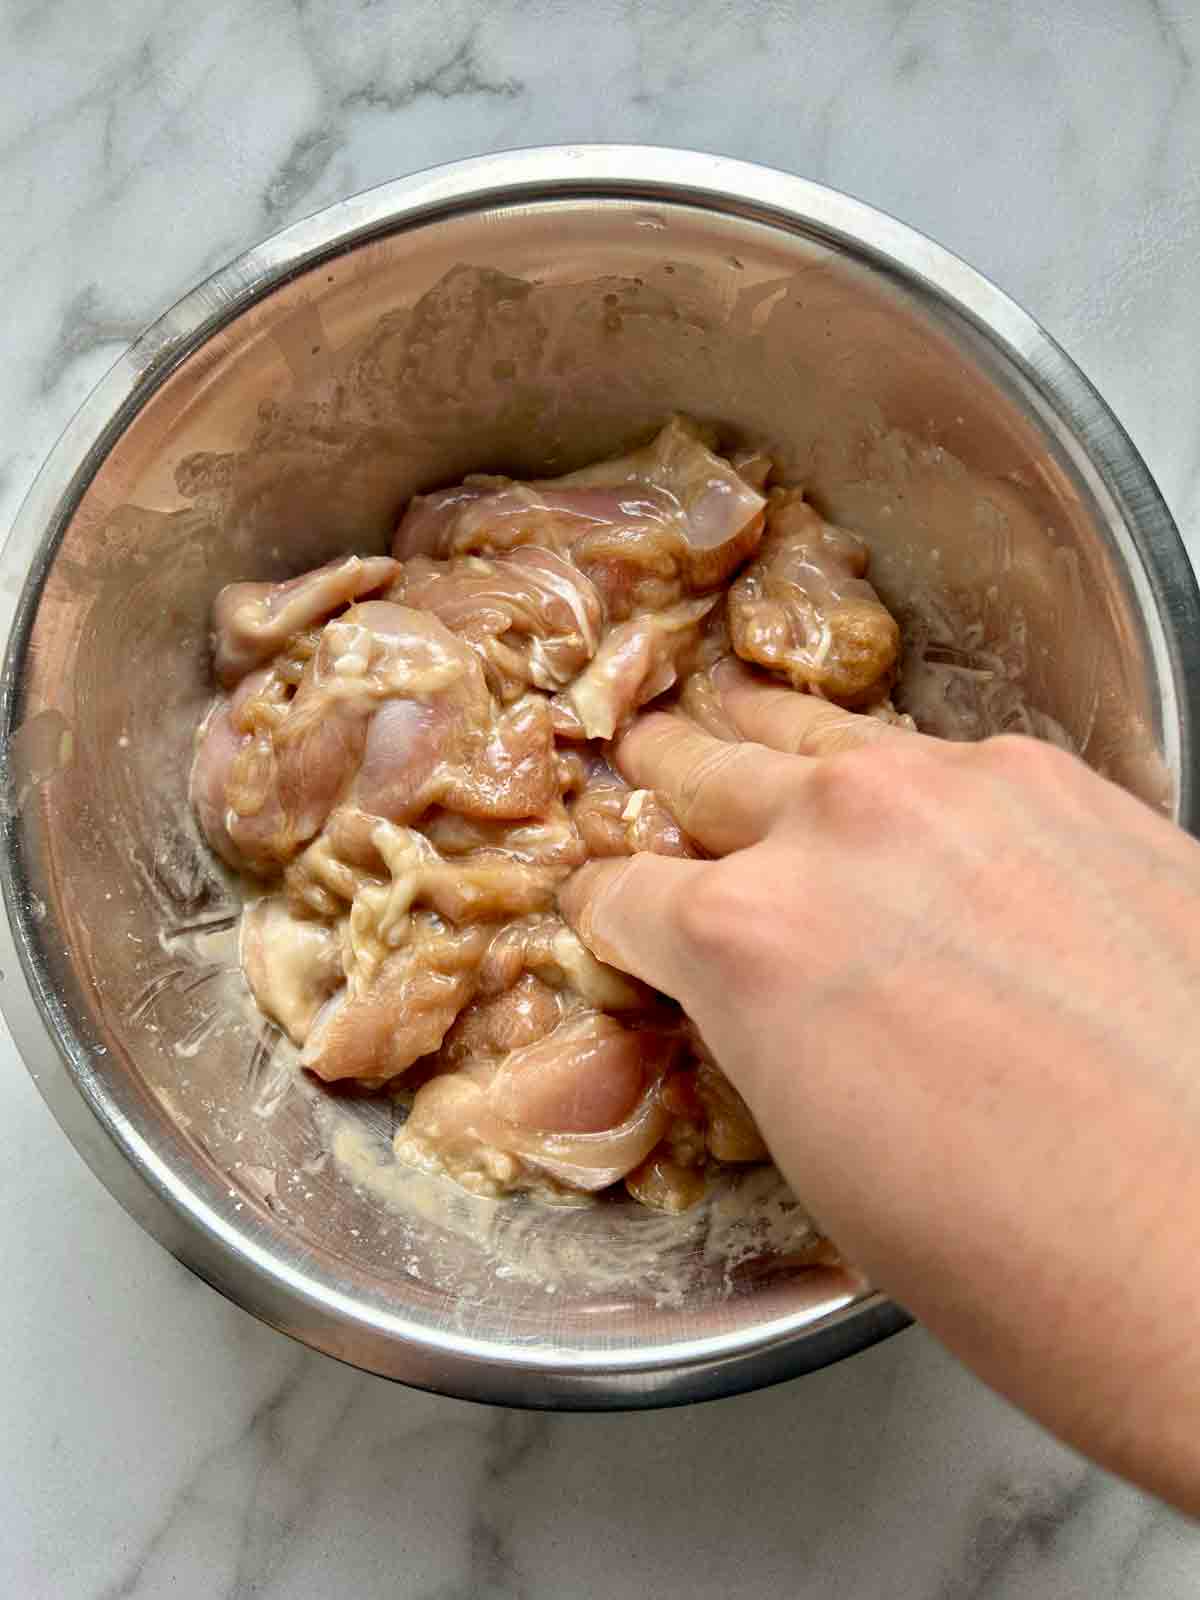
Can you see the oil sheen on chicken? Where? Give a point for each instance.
(409, 754)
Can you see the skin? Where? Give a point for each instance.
(958, 986)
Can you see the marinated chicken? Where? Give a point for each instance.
(804, 609)
(408, 756)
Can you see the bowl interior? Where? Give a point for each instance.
(522, 338)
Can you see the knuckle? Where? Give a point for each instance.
(1018, 756)
(868, 783)
(720, 915)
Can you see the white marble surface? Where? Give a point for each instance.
(156, 1440)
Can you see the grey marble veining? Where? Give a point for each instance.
(159, 1442)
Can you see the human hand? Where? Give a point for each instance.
(957, 986)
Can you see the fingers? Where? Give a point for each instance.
(726, 796)
(626, 912)
(782, 719)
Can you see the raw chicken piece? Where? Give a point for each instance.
(393, 708)
(584, 1077)
(256, 809)
(253, 621)
(699, 701)
(546, 946)
(421, 753)
(219, 742)
(383, 870)
(566, 720)
(489, 888)
(717, 512)
(665, 1184)
(804, 609)
(599, 814)
(616, 820)
(551, 840)
(698, 698)
(532, 617)
(673, 1176)
(379, 650)
(271, 765)
(404, 761)
(490, 1027)
(647, 527)
(638, 660)
(376, 1026)
(579, 1105)
(435, 737)
(731, 1133)
(325, 877)
(291, 965)
(514, 774)
(755, 466)
(486, 516)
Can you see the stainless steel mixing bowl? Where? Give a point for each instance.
(520, 312)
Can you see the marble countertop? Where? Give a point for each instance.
(157, 1440)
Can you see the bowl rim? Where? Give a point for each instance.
(227, 1254)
